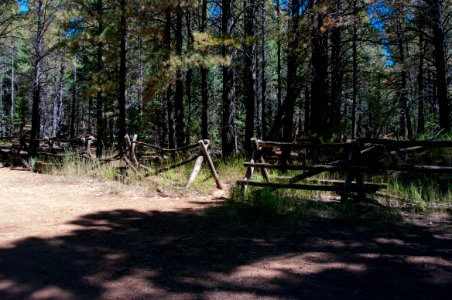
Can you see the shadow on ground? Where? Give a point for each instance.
(126, 254)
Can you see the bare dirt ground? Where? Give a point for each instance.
(64, 238)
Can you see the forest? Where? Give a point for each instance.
(177, 71)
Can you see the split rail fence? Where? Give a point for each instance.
(350, 161)
(51, 151)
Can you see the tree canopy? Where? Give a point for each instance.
(176, 71)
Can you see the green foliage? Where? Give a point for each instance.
(422, 194)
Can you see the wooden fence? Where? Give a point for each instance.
(351, 160)
(15, 154)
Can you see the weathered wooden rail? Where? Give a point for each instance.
(15, 154)
(352, 160)
(133, 161)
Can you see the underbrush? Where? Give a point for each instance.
(427, 194)
(171, 180)
(291, 207)
(419, 194)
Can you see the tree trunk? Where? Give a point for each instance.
(249, 76)
(307, 110)
(278, 60)
(439, 37)
(74, 100)
(228, 95)
(179, 95)
(169, 92)
(204, 85)
(2, 75)
(421, 90)
(263, 75)
(13, 96)
(35, 117)
(100, 120)
(403, 94)
(122, 75)
(319, 62)
(189, 78)
(57, 108)
(336, 75)
(355, 72)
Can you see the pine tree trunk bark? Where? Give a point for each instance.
(100, 120)
(169, 92)
(263, 75)
(13, 82)
(355, 72)
(204, 79)
(319, 62)
(57, 109)
(74, 100)
(336, 75)
(421, 90)
(440, 65)
(2, 75)
(228, 94)
(122, 76)
(35, 116)
(179, 95)
(249, 76)
(189, 78)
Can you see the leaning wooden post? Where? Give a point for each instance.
(132, 150)
(204, 144)
(258, 157)
(128, 144)
(89, 141)
(195, 171)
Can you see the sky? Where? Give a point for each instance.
(23, 5)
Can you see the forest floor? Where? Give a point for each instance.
(82, 238)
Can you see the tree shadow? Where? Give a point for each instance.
(192, 254)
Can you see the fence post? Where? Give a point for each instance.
(204, 144)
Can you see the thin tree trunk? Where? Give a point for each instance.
(204, 78)
(307, 110)
(355, 71)
(169, 92)
(13, 96)
(2, 75)
(122, 75)
(189, 79)
(228, 96)
(439, 38)
(319, 62)
(140, 75)
(278, 59)
(263, 76)
(179, 95)
(421, 90)
(57, 109)
(336, 74)
(100, 120)
(403, 95)
(249, 75)
(35, 117)
(74, 100)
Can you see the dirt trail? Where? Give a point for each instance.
(64, 238)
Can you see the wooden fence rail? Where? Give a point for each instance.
(354, 161)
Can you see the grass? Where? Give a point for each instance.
(292, 207)
(264, 205)
(421, 195)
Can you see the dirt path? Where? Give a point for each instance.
(66, 238)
